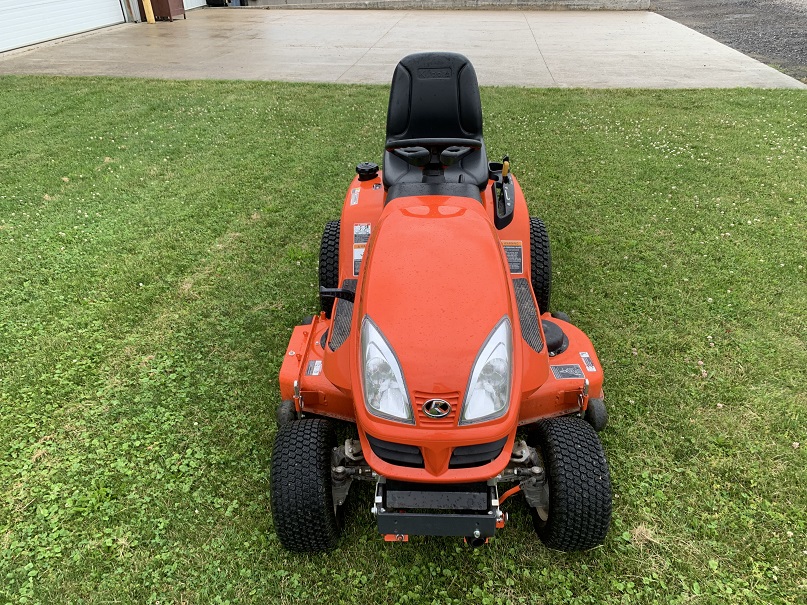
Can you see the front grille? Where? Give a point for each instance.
(425, 420)
(468, 456)
(397, 453)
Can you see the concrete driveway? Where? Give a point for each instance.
(522, 48)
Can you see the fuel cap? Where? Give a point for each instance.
(367, 171)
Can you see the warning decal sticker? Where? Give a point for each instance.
(361, 233)
(587, 360)
(314, 368)
(358, 254)
(354, 196)
(515, 256)
(571, 370)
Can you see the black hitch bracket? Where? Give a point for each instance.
(479, 505)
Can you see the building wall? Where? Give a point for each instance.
(27, 22)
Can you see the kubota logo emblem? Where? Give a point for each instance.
(436, 408)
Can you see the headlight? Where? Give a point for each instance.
(488, 393)
(385, 391)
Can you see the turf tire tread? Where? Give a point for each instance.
(580, 497)
(329, 263)
(302, 502)
(540, 263)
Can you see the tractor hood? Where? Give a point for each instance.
(435, 285)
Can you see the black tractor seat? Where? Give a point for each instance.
(434, 115)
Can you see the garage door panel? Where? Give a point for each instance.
(24, 23)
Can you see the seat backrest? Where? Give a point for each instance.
(434, 95)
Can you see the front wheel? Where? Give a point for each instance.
(579, 510)
(302, 501)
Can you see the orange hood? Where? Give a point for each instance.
(435, 284)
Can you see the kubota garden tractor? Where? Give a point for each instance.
(436, 343)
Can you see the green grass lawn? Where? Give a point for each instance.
(158, 241)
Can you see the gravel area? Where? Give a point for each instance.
(772, 31)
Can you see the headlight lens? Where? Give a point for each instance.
(385, 392)
(488, 393)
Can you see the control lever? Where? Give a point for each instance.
(504, 195)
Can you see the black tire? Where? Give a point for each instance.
(286, 412)
(579, 486)
(540, 263)
(302, 501)
(329, 263)
(562, 316)
(596, 414)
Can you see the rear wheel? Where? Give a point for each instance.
(540, 263)
(579, 510)
(329, 263)
(302, 501)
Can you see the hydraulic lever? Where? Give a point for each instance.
(504, 197)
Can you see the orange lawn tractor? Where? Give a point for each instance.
(436, 344)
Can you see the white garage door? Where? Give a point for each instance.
(24, 22)
(194, 3)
